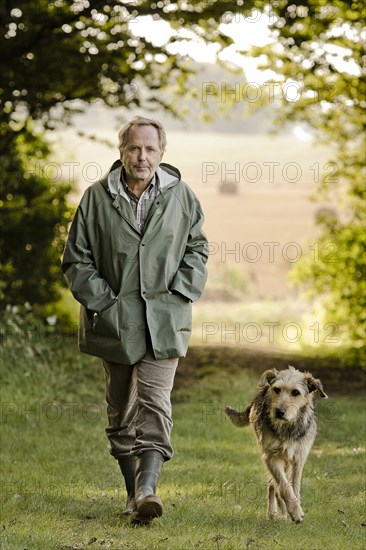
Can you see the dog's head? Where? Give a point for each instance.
(289, 392)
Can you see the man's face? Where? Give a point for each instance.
(142, 154)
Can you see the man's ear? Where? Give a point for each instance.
(267, 377)
(314, 384)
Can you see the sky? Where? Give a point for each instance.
(245, 32)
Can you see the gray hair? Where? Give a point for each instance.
(141, 121)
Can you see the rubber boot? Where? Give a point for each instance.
(128, 469)
(149, 506)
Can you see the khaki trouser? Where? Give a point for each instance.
(138, 406)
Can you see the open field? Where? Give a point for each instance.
(61, 489)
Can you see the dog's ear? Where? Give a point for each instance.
(267, 377)
(315, 384)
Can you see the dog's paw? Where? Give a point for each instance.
(277, 516)
(297, 514)
(299, 519)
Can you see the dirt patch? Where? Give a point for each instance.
(339, 375)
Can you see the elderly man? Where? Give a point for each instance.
(135, 260)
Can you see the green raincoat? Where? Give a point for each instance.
(128, 282)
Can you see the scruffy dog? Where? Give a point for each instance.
(283, 417)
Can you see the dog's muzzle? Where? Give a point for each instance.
(280, 413)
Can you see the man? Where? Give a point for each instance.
(135, 260)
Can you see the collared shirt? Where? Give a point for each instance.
(139, 204)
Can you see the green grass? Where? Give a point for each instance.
(62, 490)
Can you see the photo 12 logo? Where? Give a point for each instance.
(269, 172)
(271, 251)
(269, 331)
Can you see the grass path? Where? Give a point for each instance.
(61, 490)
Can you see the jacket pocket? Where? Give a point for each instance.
(178, 311)
(106, 323)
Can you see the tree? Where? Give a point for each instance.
(34, 217)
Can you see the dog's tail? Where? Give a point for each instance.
(239, 419)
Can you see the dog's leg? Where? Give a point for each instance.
(272, 502)
(277, 469)
(298, 467)
(275, 501)
(295, 474)
(281, 503)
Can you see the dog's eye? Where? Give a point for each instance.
(277, 390)
(295, 393)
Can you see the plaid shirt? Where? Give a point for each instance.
(139, 203)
